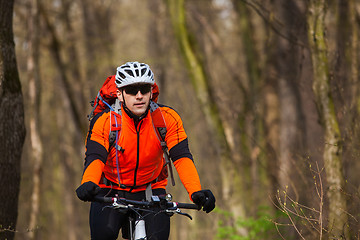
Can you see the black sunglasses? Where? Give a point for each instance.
(134, 89)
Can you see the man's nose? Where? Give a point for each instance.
(139, 94)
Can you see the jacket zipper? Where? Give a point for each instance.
(138, 151)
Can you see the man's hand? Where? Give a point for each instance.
(205, 199)
(87, 191)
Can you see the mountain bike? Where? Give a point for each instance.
(157, 204)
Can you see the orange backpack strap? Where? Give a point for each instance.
(160, 129)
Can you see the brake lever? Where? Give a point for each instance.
(117, 205)
(178, 211)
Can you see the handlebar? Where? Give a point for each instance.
(156, 201)
(146, 204)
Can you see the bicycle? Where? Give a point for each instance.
(135, 219)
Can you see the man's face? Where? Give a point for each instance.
(137, 97)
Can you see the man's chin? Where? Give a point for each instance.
(138, 112)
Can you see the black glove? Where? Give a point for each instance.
(205, 199)
(87, 191)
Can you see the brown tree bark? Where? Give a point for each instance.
(34, 118)
(354, 54)
(332, 155)
(12, 127)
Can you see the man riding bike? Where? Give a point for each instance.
(134, 164)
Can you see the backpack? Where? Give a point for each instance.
(106, 98)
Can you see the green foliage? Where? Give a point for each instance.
(259, 227)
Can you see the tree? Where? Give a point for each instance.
(231, 180)
(292, 131)
(332, 140)
(33, 68)
(12, 127)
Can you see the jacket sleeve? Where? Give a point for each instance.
(188, 175)
(177, 142)
(93, 172)
(97, 143)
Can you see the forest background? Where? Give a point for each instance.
(268, 92)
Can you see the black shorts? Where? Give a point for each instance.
(105, 222)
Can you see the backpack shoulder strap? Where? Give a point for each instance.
(116, 107)
(94, 104)
(160, 129)
(158, 121)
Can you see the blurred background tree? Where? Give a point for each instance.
(266, 89)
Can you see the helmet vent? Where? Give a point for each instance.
(121, 75)
(129, 72)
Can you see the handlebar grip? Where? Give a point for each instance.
(103, 199)
(188, 206)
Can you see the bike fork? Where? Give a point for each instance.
(137, 232)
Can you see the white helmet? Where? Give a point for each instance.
(132, 73)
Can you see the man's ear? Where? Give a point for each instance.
(119, 95)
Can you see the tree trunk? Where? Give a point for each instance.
(77, 81)
(292, 130)
(157, 45)
(354, 55)
(353, 5)
(12, 127)
(34, 102)
(70, 97)
(251, 119)
(338, 219)
(231, 180)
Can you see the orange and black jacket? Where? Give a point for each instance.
(139, 155)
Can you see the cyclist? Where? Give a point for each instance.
(135, 162)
